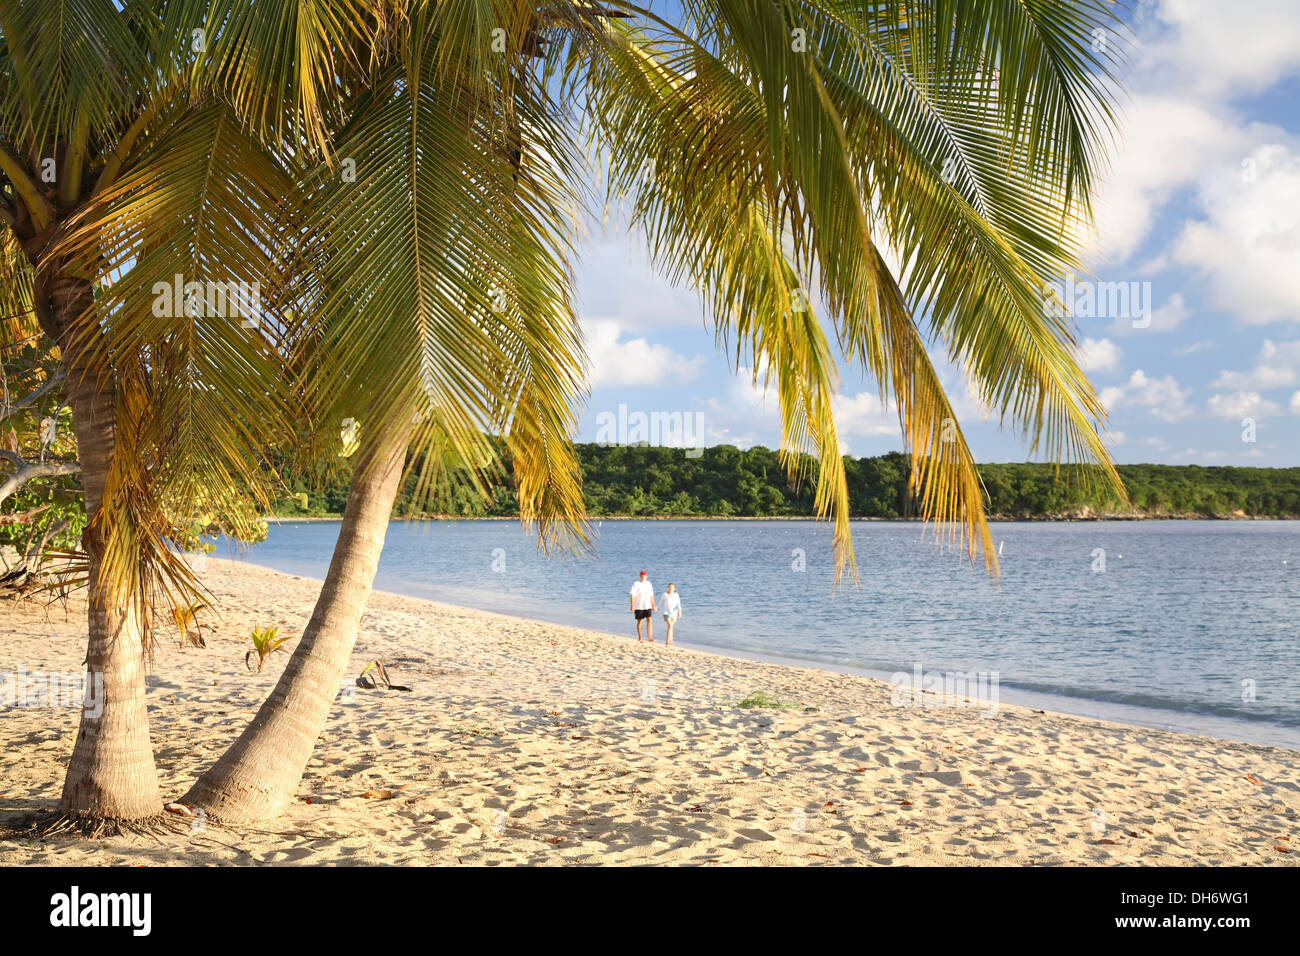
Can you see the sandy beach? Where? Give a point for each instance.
(531, 743)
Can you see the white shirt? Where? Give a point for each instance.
(643, 596)
(671, 604)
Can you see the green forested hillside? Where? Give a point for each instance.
(725, 481)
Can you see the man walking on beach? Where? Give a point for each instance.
(643, 605)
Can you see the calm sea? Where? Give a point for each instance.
(1190, 625)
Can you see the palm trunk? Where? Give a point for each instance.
(112, 773)
(257, 776)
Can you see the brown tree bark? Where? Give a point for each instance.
(111, 773)
(257, 776)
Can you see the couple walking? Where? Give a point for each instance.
(644, 604)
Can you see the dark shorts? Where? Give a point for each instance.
(642, 614)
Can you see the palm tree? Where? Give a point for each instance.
(94, 102)
(403, 176)
(762, 148)
(137, 147)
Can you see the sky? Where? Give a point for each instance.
(1198, 218)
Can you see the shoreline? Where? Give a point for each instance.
(1230, 730)
(523, 742)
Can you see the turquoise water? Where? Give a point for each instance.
(1191, 625)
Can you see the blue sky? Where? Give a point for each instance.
(1202, 203)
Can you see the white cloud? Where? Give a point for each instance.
(1169, 316)
(1166, 317)
(745, 410)
(1097, 355)
(1278, 366)
(1248, 244)
(1167, 142)
(616, 361)
(1241, 404)
(1193, 348)
(1212, 49)
(1162, 397)
(1180, 130)
(616, 280)
(1295, 404)
(863, 416)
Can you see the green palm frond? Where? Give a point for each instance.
(443, 276)
(71, 69)
(183, 248)
(968, 154)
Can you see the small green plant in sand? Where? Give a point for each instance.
(763, 699)
(477, 730)
(264, 642)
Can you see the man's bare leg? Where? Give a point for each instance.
(639, 638)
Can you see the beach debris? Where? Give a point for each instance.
(1255, 780)
(179, 808)
(379, 795)
(379, 679)
(1107, 841)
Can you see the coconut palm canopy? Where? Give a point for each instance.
(285, 214)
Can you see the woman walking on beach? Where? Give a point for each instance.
(671, 604)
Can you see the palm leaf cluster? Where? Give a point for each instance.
(883, 187)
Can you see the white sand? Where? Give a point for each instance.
(525, 742)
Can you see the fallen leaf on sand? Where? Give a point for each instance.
(819, 854)
(1284, 849)
(307, 800)
(861, 769)
(1106, 842)
(378, 795)
(828, 804)
(180, 808)
(906, 803)
(1255, 780)
(554, 840)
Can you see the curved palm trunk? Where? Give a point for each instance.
(112, 771)
(261, 770)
